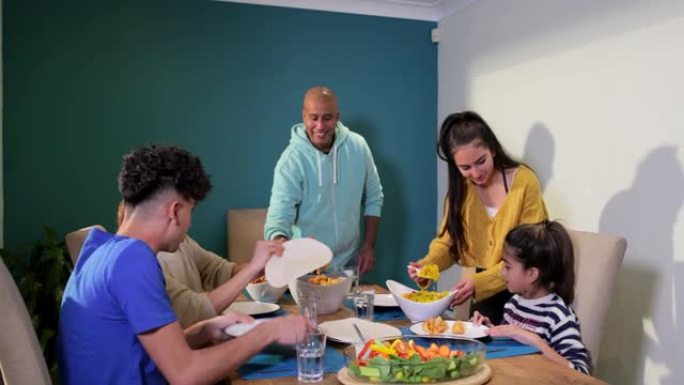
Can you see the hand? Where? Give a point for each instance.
(519, 334)
(263, 252)
(213, 328)
(412, 270)
(366, 259)
(465, 291)
(288, 330)
(478, 319)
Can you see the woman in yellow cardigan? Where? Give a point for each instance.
(489, 194)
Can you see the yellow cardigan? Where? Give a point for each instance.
(485, 236)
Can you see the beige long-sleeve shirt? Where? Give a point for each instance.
(190, 273)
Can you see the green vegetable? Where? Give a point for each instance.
(413, 370)
(369, 371)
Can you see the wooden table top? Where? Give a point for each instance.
(532, 369)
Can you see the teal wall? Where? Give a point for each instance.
(86, 81)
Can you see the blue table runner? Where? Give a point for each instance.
(283, 363)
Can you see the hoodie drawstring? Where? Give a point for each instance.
(320, 173)
(334, 164)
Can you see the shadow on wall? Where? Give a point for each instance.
(651, 279)
(540, 151)
(390, 243)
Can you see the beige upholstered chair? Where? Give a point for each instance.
(245, 228)
(21, 358)
(74, 240)
(597, 262)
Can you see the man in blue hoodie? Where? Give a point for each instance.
(324, 182)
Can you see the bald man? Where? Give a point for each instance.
(324, 182)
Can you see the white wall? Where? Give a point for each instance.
(590, 94)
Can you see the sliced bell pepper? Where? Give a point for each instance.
(365, 348)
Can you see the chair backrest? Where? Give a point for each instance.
(21, 358)
(597, 262)
(245, 227)
(74, 241)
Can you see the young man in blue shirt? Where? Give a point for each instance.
(117, 325)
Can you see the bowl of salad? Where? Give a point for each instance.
(416, 360)
(419, 305)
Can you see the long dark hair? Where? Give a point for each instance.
(458, 130)
(548, 247)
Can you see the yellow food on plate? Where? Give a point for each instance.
(259, 280)
(425, 296)
(324, 280)
(435, 326)
(458, 328)
(428, 272)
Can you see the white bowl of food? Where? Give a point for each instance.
(259, 290)
(331, 290)
(419, 305)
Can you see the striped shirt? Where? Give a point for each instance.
(554, 321)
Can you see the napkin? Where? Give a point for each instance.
(284, 364)
(507, 347)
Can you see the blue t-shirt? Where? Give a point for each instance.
(115, 292)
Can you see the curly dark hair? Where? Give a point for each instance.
(148, 170)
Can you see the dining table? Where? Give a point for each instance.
(530, 369)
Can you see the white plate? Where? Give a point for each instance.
(343, 330)
(385, 300)
(301, 256)
(236, 330)
(471, 331)
(252, 308)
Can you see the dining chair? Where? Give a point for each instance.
(21, 358)
(74, 240)
(245, 228)
(597, 263)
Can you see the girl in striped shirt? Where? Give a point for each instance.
(539, 268)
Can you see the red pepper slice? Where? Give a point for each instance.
(365, 348)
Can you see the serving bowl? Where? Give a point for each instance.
(416, 359)
(263, 292)
(330, 297)
(418, 311)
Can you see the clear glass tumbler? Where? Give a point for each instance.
(310, 353)
(364, 302)
(308, 305)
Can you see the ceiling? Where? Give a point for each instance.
(430, 10)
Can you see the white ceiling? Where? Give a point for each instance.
(431, 10)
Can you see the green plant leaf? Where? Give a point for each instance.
(41, 270)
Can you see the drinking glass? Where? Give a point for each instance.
(308, 305)
(364, 303)
(310, 352)
(351, 270)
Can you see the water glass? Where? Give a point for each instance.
(310, 352)
(364, 303)
(351, 270)
(308, 306)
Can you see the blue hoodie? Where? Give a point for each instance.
(323, 196)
